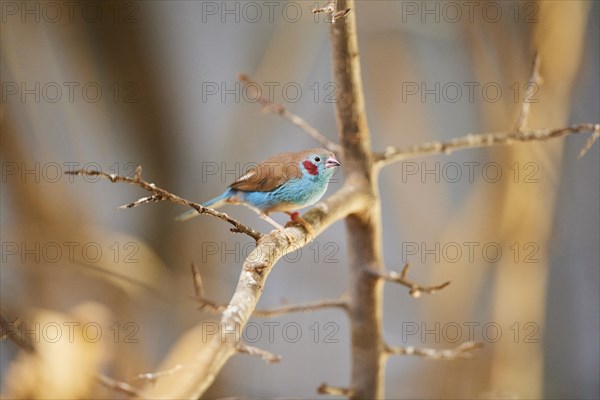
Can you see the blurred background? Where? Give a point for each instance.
(112, 85)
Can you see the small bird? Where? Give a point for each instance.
(282, 183)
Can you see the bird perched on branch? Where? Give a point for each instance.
(282, 183)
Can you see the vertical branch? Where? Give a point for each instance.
(363, 228)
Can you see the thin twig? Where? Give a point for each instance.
(313, 306)
(279, 109)
(534, 82)
(334, 390)
(462, 351)
(205, 304)
(473, 141)
(159, 194)
(255, 351)
(590, 142)
(402, 279)
(152, 377)
(118, 386)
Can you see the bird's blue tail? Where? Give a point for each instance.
(212, 203)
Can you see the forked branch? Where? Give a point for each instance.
(402, 279)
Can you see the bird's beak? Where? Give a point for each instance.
(332, 162)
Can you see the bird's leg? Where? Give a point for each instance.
(270, 220)
(295, 216)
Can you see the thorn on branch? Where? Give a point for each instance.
(334, 390)
(269, 106)
(268, 357)
(143, 200)
(137, 175)
(590, 142)
(331, 10)
(534, 82)
(463, 351)
(401, 278)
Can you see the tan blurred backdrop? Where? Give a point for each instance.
(113, 85)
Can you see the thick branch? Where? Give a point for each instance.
(363, 229)
(159, 194)
(473, 141)
(279, 109)
(197, 375)
(462, 351)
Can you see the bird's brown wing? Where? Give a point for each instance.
(270, 174)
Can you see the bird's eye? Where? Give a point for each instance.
(317, 159)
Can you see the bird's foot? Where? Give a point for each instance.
(287, 234)
(280, 228)
(297, 219)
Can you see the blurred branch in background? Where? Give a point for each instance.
(473, 141)
(278, 109)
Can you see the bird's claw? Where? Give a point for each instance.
(288, 235)
(298, 220)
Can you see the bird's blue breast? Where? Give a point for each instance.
(292, 195)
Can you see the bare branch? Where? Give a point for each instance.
(152, 377)
(462, 351)
(331, 10)
(279, 109)
(201, 371)
(255, 351)
(334, 390)
(535, 80)
(198, 286)
(401, 278)
(159, 194)
(313, 306)
(205, 304)
(363, 229)
(118, 386)
(473, 141)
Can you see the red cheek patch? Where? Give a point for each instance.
(310, 167)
